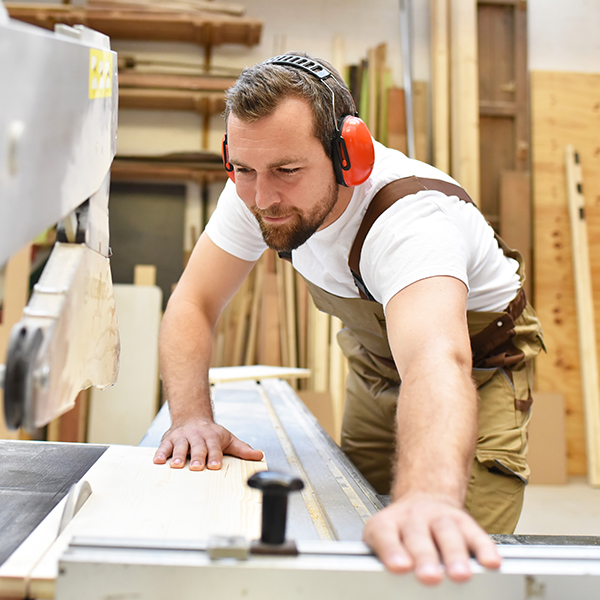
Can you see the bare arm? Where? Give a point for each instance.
(206, 286)
(437, 428)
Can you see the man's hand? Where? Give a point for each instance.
(418, 530)
(205, 442)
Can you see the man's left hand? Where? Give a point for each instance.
(422, 532)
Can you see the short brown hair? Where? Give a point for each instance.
(259, 90)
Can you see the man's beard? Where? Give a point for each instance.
(298, 227)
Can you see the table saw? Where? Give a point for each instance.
(147, 529)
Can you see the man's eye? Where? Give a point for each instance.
(288, 171)
(241, 170)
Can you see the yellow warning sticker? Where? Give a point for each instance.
(101, 73)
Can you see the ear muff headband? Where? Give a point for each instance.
(225, 156)
(352, 152)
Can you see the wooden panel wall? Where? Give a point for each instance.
(565, 110)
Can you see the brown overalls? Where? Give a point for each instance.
(503, 345)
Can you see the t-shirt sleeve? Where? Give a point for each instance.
(413, 240)
(233, 227)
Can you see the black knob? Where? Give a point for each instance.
(275, 488)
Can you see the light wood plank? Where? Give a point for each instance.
(338, 371)
(290, 312)
(16, 294)
(122, 413)
(144, 275)
(588, 356)
(440, 63)
(256, 372)
(397, 120)
(132, 497)
(515, 217)
(464, 93)
(269, 342)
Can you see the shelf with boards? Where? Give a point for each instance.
(205, 29)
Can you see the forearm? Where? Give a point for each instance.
(437, 429)
(185, 352)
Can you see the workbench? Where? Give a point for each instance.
(146, 529)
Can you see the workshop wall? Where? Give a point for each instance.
(563, 35)
(564, 59)
(340, 31)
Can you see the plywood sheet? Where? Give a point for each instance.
(16, 292)
(134, 498)
(121, 414)
(565, 110)
(547, 456)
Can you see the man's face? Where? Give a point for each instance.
(283, 174)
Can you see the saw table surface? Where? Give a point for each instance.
(34, 478)
(134, 498)
(143, 531)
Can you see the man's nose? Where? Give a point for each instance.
(265, 194)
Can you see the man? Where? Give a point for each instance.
(432, 301)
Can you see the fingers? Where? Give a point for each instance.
(430, 537)
(385, 542)
(242, 450)
(164, 451)
(180, 451)
(198, 451)
(453, 548)
(420, 545)
(215, 455)
(482, 545)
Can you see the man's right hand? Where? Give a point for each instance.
(205, 442)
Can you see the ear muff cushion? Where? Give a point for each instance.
(353, 152)
(225, 156)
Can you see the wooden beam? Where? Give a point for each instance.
(162, 99)
(128, 79)
(464, 93)
(201, 29)
(16, 294)
(588, 356)
(440, 61)
(515, 217)
(140, 170)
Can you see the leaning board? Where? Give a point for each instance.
(134, 498)
(565, 110)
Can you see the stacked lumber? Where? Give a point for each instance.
(204, 95)
(382, 106)
(272, 321)
(199, 167)
(191, 6)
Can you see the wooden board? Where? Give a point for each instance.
(256, 372)
(122, 413)
(515, 217)
(547, 455)
(16, 294)
(584, 300)
(565, 110)
(396, 133)
(464, 94)
(440, 83)
(137, 25)
(134, 498)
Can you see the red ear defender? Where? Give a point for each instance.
(353, 153)
(225, 156)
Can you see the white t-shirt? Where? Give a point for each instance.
(421, 235)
